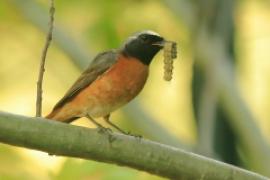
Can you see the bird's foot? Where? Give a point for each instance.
(102, 129)
(134, 135)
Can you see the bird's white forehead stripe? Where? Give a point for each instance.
(135, 36)
(151, 33)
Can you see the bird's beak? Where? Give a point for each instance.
(160, 43)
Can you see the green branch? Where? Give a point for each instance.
(74, 141)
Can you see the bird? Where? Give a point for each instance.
(112, 79)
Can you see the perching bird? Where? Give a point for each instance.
(113, 79)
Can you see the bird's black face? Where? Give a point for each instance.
(144, 46)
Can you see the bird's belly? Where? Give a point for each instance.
(114, 88)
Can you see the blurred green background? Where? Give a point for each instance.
(217, 103)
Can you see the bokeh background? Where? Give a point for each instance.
(217, 103)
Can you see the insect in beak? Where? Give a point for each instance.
(170, 53)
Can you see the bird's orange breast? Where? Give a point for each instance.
(114, 88)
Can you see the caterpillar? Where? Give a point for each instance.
(169, 53)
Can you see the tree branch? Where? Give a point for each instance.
(63, 139)
(42, 62)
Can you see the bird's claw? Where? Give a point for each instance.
(104, 130)
(134, 135)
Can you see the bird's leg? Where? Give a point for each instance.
(97, 124)
(107, 119)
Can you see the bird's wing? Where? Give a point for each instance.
(101, 63)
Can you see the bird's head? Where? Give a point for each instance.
(144, 46)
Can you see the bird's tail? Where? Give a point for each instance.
(54, 116)
(51, 115)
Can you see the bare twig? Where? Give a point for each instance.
(42, 62)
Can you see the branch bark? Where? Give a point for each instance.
(63, 139)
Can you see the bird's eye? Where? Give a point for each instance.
(144, 38)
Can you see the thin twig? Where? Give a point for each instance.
(42, 62)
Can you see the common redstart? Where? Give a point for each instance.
(113, 79)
